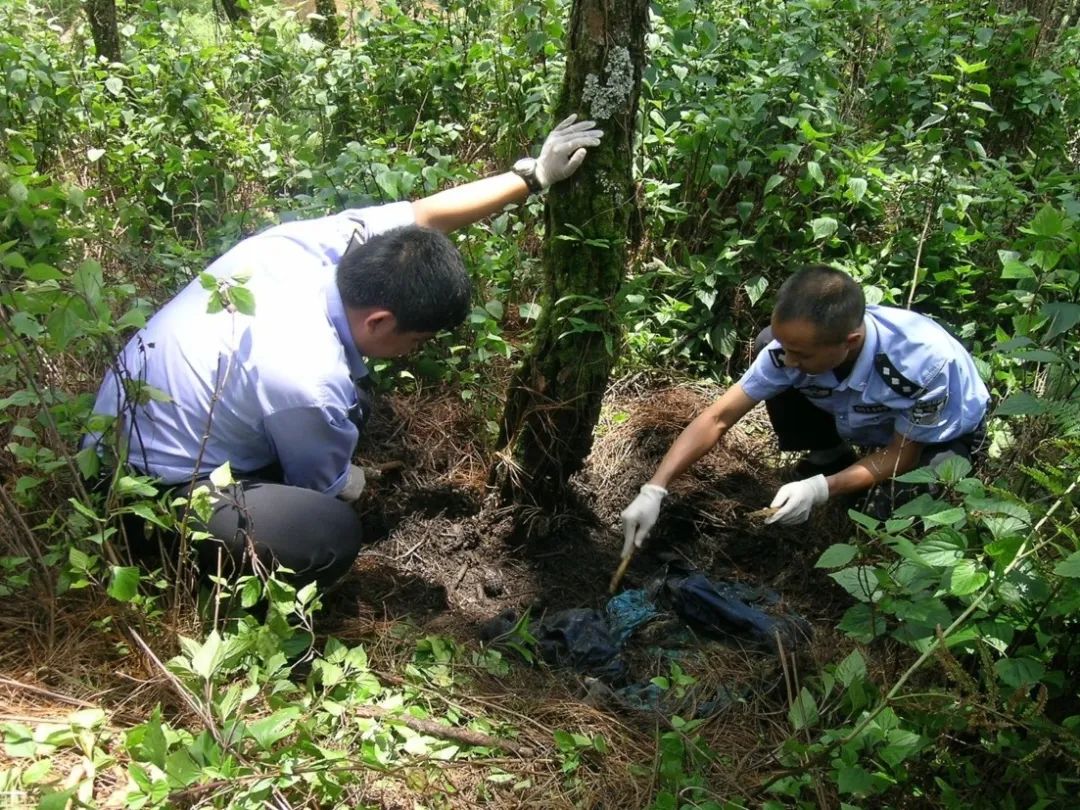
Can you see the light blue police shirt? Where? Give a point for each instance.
(911, 377)
(284, 375)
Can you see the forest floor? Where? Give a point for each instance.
(441, 559)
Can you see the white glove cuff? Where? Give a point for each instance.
(654, 491)
(820, 488)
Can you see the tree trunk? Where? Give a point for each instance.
(554, 399)
(102, 17)
(325, 26)
(236, 12)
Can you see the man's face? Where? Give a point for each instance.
(377, 335)
(805, 351)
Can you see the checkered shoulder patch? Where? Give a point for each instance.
(895, 380)
(777, 356)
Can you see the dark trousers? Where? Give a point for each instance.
(801, 425)
(315, 535)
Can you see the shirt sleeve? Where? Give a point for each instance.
(314, 447)
(767, 375)
(935, 414)
(364, 223)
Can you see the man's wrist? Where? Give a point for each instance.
(527, 169)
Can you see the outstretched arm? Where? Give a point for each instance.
(562, 153)
(898, 457)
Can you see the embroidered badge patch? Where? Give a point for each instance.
(815, 391)
(895, 380)
(928, 413)
(871, 409)
(777, 356)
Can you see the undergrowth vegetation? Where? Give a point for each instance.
(930, 149)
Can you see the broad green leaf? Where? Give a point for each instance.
(823, 227)
(124, 585)
(857, 188)
(853, 667)
(114, 85)
(836, 556)
(854, 779)
(243, 299)
(529, 311)
(804, 710)
(1069, 567)
(946, 517)
(966, 577)
(1048, 222)
(900, 744)
(208, 656)
(277, 726)
(1015, 269)
(920, 475)
(773, 182)
(1022, 403)
(814, 170)
(859, 581)
(1063, 315)
(222, 477)
(1017, 672)
(862, 623)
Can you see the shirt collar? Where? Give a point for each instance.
(335, 312)
(864, 363)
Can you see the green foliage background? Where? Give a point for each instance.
(929, 149)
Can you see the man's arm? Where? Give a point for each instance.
(562, 153)
(702, 435)
(898, 457)
(463, 205)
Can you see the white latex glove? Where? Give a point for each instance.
(640, 516)
(564, 150)
(354, 485)
(795, 500)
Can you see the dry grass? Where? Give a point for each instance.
(441, 561)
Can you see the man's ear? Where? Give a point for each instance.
(379, 322)
(853, 338)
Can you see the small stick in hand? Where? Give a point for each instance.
(619, 572)
(768, 511)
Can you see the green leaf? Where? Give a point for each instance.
(814, 170)
(773, 182)
(862, 623)
(852, 668)
(1014, 269)
(920, 475)
(1063, 315)
(243, 299)
(967, 577)
(529, 311)
(208, 656)
(222, 477)
(804, 710)
(18, 191)
(854, 779)
(1022, 403)
(823, 227)
(114, 85)
(946, 517)
(277, 726)
(1069, 567)
(1017, 672)
(1048, 222)
(124, 585)
(859, 581)
(836, 556)
(857, 188)
(942, 548)
(755, 288)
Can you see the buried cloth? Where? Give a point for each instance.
(671, 611)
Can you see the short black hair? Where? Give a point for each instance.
(828, 298)
(414, 272)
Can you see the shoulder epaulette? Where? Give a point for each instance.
(777, 356)
(894, 379)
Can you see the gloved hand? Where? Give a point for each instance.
(640, 516)
(354, 485)
(795, 500)
(564, 150)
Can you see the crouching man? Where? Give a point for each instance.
(833, 373)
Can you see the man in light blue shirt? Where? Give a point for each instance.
(279, 391)
(835, 372)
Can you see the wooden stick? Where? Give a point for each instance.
(620, 571)
(768, 511)
(434, 729)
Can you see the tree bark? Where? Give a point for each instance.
(326, 30)
(102, 17)
(554, 399)
(236, 12)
